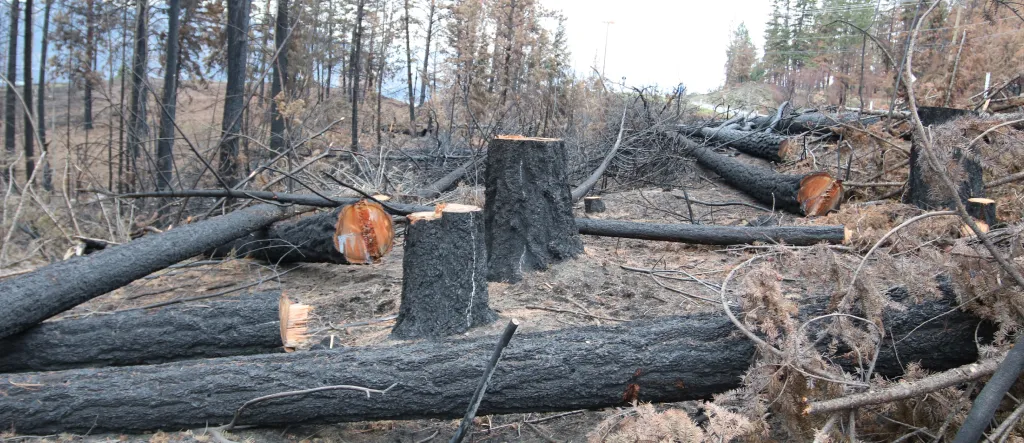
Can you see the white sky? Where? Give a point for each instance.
(659, 42)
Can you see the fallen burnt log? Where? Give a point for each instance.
(810, 194)
(668, 359)
(358, 233)
(448, 182)
(816, 121)
(31, 298)
(715, 235)
(771, 147)
(277, 197)
(260, 323)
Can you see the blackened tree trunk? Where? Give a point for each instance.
(234, 98)
(90, 59)
(357, 34)
(759, 144)
(137, 129)
(528, 207)
(165, 142)
(11, 98)
(922, 189)
(408, 69)
(41, 99)
(444, 274)
(678, 358)
(31, 298)
(424, 77)
(30, 164)
(241, 326)
(714, 235)
(280, 84)
(811, 194)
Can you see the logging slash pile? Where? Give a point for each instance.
(812, 276)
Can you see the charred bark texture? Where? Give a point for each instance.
(678, 358)
(247, 325)
(31, 298)
(308, 239)
(528, 207)
(444, 275)
(921, 189)
(771, 147)
(591, 205)
(714, 235)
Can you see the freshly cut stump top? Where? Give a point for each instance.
(528, 207)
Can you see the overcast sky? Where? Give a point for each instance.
(660, 42)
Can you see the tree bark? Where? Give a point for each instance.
(770, 147)
(242, 326)
(712, 234)
(426, 53)
(444, 274)
(357, 34)
(314, 238)
(90, 58)
(811, 194)
(408, 69)
(11, 98)
(30, 164)
(677, 358)
(41, 99)
(280, 83)
(31, 298)
(234, 97)
(165, 141)
(528, 207)
(299, 199)
(137, 130)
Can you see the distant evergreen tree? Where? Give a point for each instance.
(740, 57)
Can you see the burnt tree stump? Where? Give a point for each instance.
(593, 205)
(444, 274)
(528, 208)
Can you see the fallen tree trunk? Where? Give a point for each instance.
(810, 194)
(669, 359)
(299, 199)
(446, 183)
(255, 324)
(714, 235)
(359, 233)
(588, 184)
(31, 298)
(816, 121)
(771, 147)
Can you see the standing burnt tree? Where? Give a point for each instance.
(280, 82)
(444, 274)
(528, 208)
(165, 142)
(10, 106)
(234, 97)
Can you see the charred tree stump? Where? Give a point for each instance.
(925, 193)
(678, 358)
(359, 233)
(261, 323)
(528, 207)
(31, 298)
(593, 205)
(770, 147)
(444, 274)
(715, 235)
(811, 194)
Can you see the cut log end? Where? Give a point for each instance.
(790, 149)
(847, 236)
(382, 197)
(364, 232)
(294, 317)
(819, 193)
(439, 210)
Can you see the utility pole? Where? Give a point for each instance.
(604, 60)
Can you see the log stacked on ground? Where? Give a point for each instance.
(677, 358)
(359, 233)
(528, 207)
(253, 324)
(810, 194)
(444, 274)
(715, 235)
(31, 298)
(771, 147)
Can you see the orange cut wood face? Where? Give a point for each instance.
(364, 233)
(819, 193)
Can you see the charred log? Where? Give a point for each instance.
(714, 235)
(444, 274)
(448, 182)
(677, 358)
(771, 147)
(299, 199)
(254, 324)
(528, 207)
(31, 298)
(811, 194)
(359, 233)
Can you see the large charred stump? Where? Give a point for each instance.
(670, 359)
(810, 194)
(925, 192)
(771, 147)
(255, 324)
(359, 233)
(31, 298)
(444, 274)
(715, 235)
(528, 207)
